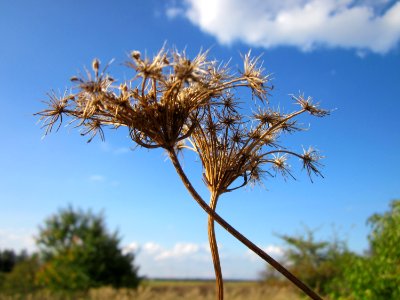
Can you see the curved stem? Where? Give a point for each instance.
(281, 269)
(214, 248)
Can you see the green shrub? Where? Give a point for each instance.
(376, 276)
(79, 253)
(319, 264)
(22, 278)
(330, 268)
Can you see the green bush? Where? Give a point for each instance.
(22, 278)
(330, 268)
(376, 276)
(79, 253)
(319, 264)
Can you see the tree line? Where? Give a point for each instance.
(76, 252)
(335, 271)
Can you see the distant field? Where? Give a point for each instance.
(179, 290)
(196, 290)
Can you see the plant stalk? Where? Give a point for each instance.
(281, 269)
(214, 249)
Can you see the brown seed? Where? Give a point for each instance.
(135, 54)
(95, 64)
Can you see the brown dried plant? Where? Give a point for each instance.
(175, 103)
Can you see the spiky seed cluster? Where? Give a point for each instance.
(308, 105)
(254, 74)
(172, 98)
(160, 106)
(232, 145)
(310, 159)
(55, 111)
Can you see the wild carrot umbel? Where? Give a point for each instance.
(176, 103)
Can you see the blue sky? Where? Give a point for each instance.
(343, 53)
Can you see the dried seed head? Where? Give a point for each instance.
(230, 120)
(177, 98)
(308, 105)
(281, 166)
(95, 65)
(311, 163)
(110, 79)
(190, 70)
(269, 140)
(254, 74)
(123, 87)
(256, 176)
(135, 55)
(280, 162)
(267, 116)
(93, 128)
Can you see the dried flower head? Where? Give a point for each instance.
(178, 103)
(95, 65)
(311, 161)
(255, 76)
(54, 113)
(232, 145)
(308, 105)
(164, 102)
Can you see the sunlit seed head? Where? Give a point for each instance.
(96, 65)
(135, 54)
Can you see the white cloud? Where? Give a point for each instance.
(173, 12)
(152, 248)
(276, 252)
(193, 260)
(122, 150)
(97, 178)
(107, 147)
(181, 260)
(132, 247)
(306, 24)
(179, 251)
(17, 239)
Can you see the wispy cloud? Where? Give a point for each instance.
(100, 179)
(179, 251)
(174, 11)
(182, 251)
(306, 24)
(17, 239)
(107, 147)
(275, 251)
(193, 260)
(181, 260)
(122, 150)
(97, 178)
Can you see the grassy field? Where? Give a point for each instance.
(176, 290)
(170, 290)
